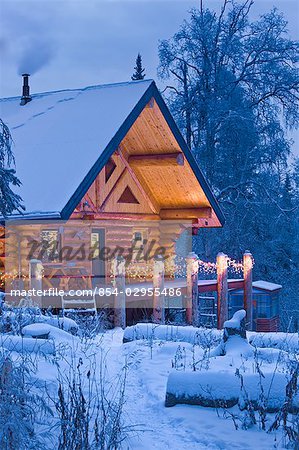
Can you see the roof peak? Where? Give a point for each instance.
(82, 89)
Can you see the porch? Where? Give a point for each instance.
(154, 291)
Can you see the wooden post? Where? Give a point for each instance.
(158, 283)
(247, 273)
(36, 279)
(192, 289)
(222, 290)
(120, 296)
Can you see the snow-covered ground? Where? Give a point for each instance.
(149, 362)
(179, 427)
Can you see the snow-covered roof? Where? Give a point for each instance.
(60, 135)
(266, 285)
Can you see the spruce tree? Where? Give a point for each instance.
(139, 70)
(9, 201)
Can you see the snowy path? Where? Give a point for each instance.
(180, 427)
(148, 414)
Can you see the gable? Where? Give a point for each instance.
(129, 120)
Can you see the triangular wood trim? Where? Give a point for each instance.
(107, 186)
(109, 169)
(112, 204)
(128, 197)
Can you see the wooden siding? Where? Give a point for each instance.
(267, 325)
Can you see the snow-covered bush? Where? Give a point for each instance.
(207, 337)
(19, 406)
(25, 346)
(89, 324)
(147, 331)
(14, 319)
(89, 407)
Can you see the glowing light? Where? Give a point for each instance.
(159, 266)
(11, 276)
(248, 261)
(39, 271)
(118, 267)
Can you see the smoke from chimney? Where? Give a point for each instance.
(26, 90)
(35, 54)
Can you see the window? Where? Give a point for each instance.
(263, 306)
(139, 242)
(95, 245)
(50, 240)
(237, 300)
(274, 305)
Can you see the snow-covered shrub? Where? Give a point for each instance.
(89, 407)
(282, 341)
(89, 324)
(13, 319)
(179, 360)
(287, 417)
(25, 346)
(19, 407)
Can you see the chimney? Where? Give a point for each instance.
(25, 94)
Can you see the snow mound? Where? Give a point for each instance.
(235, 346)
(235, 321)
(193, 335)
(150, 331)
(39, 329)
(26, 317)
(36, 330)
(27, 345)
(281, 341)
(222, 388)
(65, 323)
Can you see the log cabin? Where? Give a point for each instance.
(101, 167)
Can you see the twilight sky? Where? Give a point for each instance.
(75, 43)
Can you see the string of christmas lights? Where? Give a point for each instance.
(11, 277)
(235, 266)
(175, 267)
